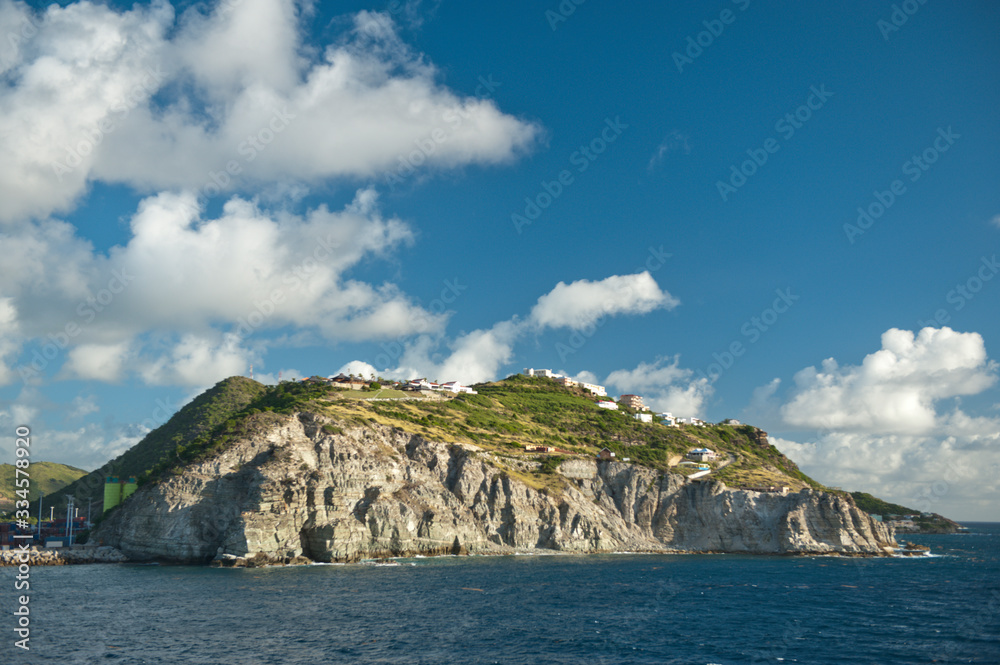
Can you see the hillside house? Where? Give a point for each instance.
(644, 417)
(456, 387)
(608, 405)
(633, 402)
(701, 454)
(605, 454)
(600, 391)
(566, 382)
(547, 373)
(667, 419)
(348, 382)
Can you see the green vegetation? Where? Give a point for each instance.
(876, 506)
(45, 477)
(505, 417)
(192, 423)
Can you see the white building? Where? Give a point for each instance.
(595, 389)
(547, 373)
(644, 417)
(608, 405)
(456, 387)
(701, 454)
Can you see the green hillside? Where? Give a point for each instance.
(203, 414)
(45, 477)
(505, 417)
(876, 506)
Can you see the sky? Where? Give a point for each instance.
(785, 215)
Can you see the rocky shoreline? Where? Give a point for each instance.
(62, 556)
(298, 490)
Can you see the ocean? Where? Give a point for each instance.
(620, 608)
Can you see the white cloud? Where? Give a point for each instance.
(197, 361)
(358, 368)
(134, 98)
(472, 358)
(246, 272)
(954, 471)
(84, 406)
(895, 389)
(664, 386)
(996, 221)
(98, 362)
(673, 143)
(882, 430)
(582, 303)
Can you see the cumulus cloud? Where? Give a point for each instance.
(358, 368)
(212, 102)
(582, 303)
(665, 386)
(885, 427)
(954, 471)
(895, 389)
(470, 358)
(189, 297)
(98, 362)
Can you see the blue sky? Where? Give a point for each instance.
(384, 161)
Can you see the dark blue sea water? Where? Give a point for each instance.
(722, 609)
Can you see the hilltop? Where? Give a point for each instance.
(506, 417)
(196, 419)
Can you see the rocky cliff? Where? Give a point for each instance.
(295, 488)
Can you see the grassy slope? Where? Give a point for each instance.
(503, 418)
(45, 477)
(196, 419)
(507, 415)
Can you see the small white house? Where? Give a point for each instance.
(667, 419)
(456, 387)
(600, 391)
(644, 417)
(608, 405)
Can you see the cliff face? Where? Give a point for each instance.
(294, 489)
